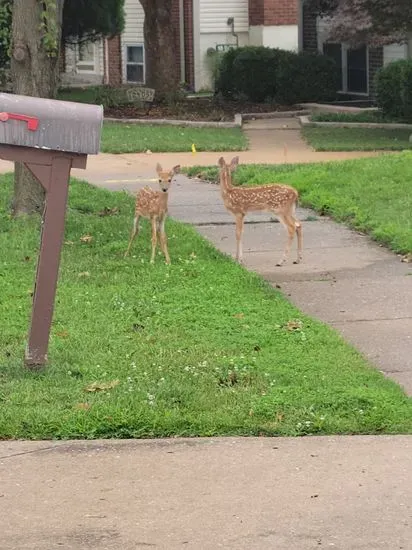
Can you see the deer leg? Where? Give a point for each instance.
(298, 226)
(154, 238)
(163, 239)
(290, 226)
(135, 231)
(239, 233)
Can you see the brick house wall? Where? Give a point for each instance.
(189, 53)
(273, 12)
(115, 61)
(256, 12)
(309, 31)
(175, 23)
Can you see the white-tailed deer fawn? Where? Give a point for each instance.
(279, 199)
(153, 205)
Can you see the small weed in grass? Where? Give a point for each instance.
(372, 195)
(198, 348)
(135, 138)
(357, 139)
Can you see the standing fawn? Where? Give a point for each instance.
(153, 205)
(279, 199)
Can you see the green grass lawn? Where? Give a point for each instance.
(135, 138)
(201, 347)
(357, 139)
(373, 195)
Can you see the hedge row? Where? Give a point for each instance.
(394, 90)
(261, 74)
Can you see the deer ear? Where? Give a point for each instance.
(176, 169)
(158, 168)
(234, 164)
(221, 162)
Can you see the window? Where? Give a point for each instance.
(353, 65)
(135, 65)
(357, 68)
(335, 52)
(86, 57)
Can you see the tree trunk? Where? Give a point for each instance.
(161, 45)
(35, 52)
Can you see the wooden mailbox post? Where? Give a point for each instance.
(50, 137)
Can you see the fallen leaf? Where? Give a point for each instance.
(239, 315)
(62, 334)
(84, 274)
(102, 386)
(86, 239)
(82, 406)
(109, 211)
(407, 259)
(294, 325)
(69, 243)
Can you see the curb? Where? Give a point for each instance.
(275, 114)
(328, 108)
(305, 121)
(237, 123)
(168, 122)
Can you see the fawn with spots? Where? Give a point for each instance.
(279, 199)
(153, 205)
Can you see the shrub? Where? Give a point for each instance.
(108, 96)
(262, 74)
(394, 89)
(251, 72)
(307, 77)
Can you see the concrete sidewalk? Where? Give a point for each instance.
(347, 493)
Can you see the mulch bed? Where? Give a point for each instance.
(197, 110)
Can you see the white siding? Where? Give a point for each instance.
(393, 52)
(134, 29)
(134, 20)
(215, 13)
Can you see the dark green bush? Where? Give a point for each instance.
(260, 74)
(394, 90)
(407, 91)
(307, 77)
(250, 72)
